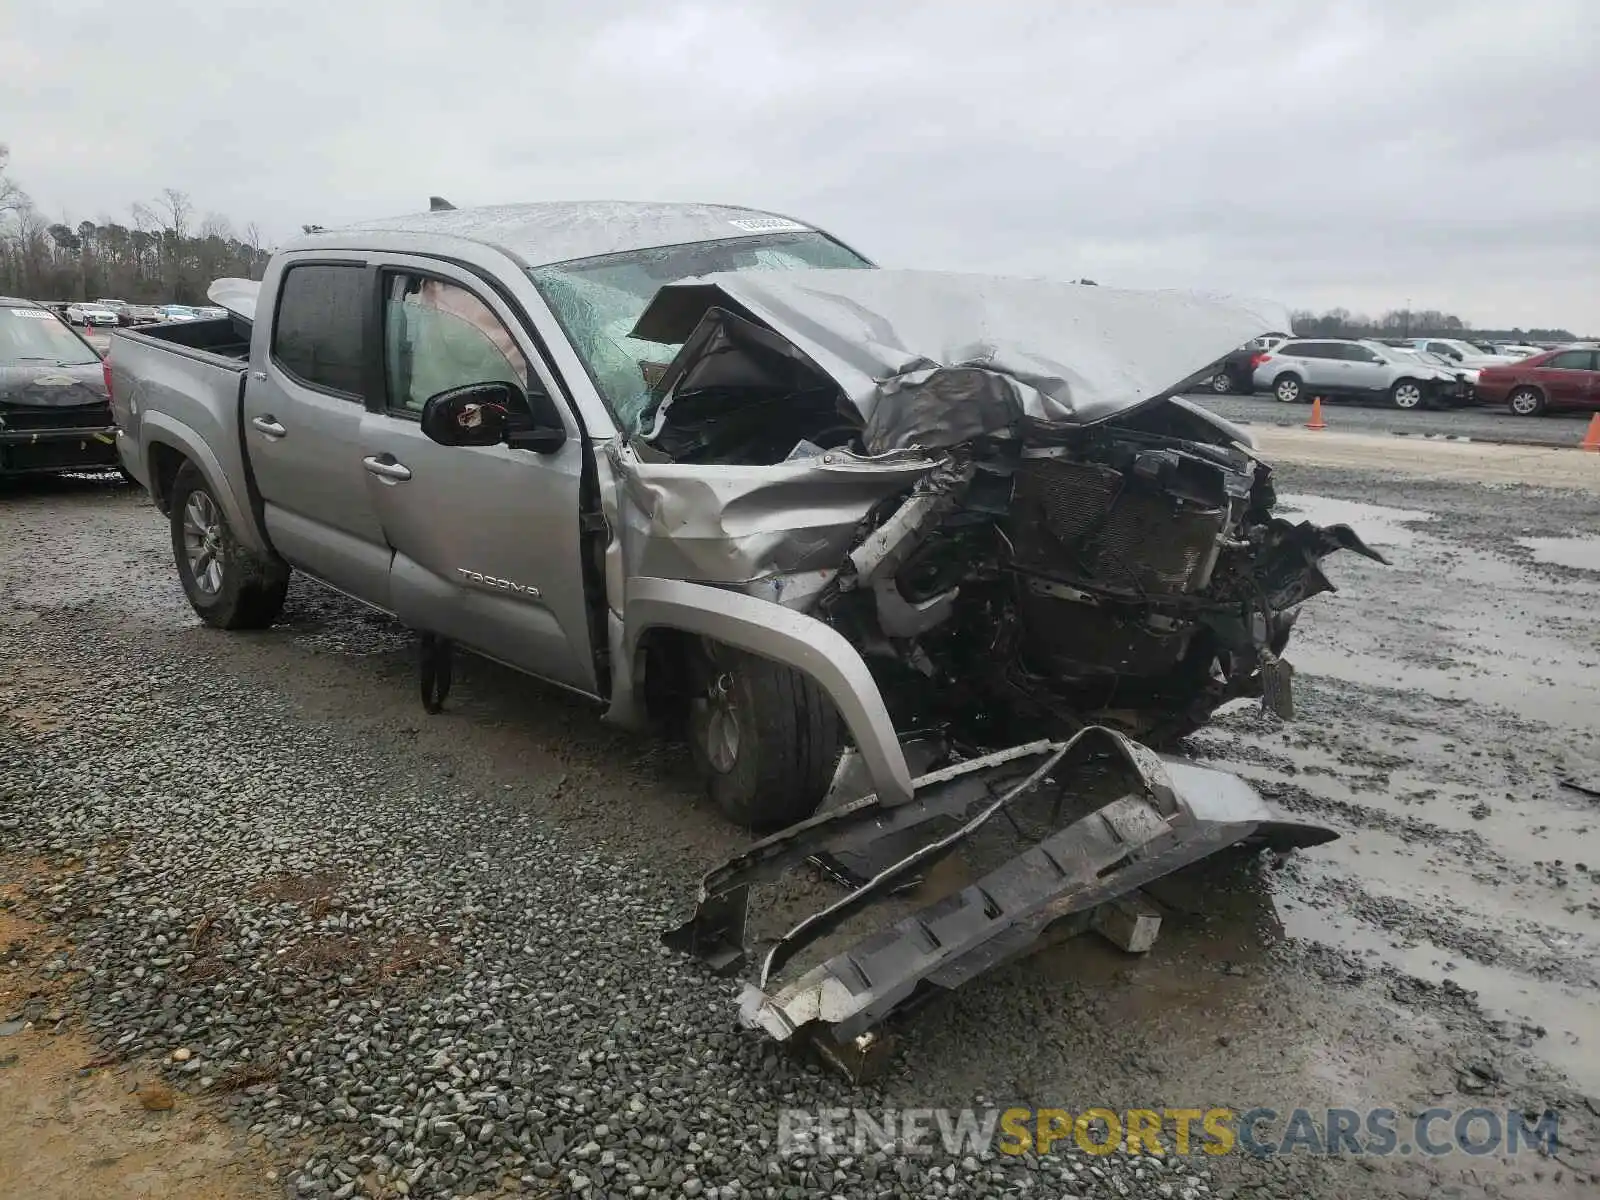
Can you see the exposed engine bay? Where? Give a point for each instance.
(1046, 571)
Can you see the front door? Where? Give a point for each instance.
(303, 410)
(486, 539)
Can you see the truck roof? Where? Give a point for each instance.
(555, 231)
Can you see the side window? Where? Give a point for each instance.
(317, 334)
(1295, 350)
(439, 336)
(1571, 360)
(1444, 351)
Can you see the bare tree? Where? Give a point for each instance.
(12, 197)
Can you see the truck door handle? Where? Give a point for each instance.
(269, 426)
(386, 468)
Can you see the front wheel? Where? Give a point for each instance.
(1286, 389)
(1407, 394)
(1526, 402)
(230, 587)
(765, 737)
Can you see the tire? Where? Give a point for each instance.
(230, 588)
(1408, 394)
(1287, 389)
(1222, 383)
(764, 736)
(1526, 402)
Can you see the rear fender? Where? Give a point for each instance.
(158, 428)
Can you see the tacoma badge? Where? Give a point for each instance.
(504, 585)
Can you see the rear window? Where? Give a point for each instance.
(1573, 360)
(317, 338)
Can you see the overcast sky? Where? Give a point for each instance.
(1441, 152)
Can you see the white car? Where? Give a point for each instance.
(1517, 350)
(90, 314)
(1331, 367)
(1461, 353)
(177, 312)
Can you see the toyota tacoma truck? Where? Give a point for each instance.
(896, 551)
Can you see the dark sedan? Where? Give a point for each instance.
(1556, 379)
(54, 411)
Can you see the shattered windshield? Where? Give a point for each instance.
(598, 300)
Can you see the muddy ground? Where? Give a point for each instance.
(1444, 952)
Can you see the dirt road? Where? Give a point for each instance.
(1445, 952)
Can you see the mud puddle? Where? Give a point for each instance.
(1577, 553)
(1378, 524)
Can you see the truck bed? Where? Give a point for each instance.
(179, 386)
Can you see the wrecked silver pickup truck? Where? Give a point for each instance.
(899, 552)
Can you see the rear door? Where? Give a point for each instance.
(1364, 371)
(486, 539)
(1320, 366)
(1566, 378)
(302, 425)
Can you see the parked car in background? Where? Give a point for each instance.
(1517, 349)
(1305, 367)
(120, 307)
(178, 312)
(54, 411)
(1457, 351)
(205, 312)
(1556, 379)
(91, 314)
(144, 314)
(1236, 372)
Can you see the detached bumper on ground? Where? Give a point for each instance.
(1082, 851)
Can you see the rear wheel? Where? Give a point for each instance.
(1286, 389)
(1526, 402)
(765, 737)
(230, 587)
(1407, 393)
(1222, 383)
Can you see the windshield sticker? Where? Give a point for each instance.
(38, 314)
(769, 225)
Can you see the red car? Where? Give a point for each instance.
(1543, 382)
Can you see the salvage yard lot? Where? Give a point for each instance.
(418, 955)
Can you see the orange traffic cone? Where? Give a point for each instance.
(1316, 421)
(1591, 440)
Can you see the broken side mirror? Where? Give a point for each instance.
(490, 414)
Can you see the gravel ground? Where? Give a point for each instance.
(1481, 423)
(411, 955)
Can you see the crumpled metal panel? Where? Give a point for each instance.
(935, 358)
(738, 524)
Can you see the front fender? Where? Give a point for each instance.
(159, 428)
(785, 636)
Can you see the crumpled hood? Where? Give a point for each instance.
(43, 385)
(935, 358)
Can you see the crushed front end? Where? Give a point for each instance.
(1039, 552)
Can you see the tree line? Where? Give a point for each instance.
(1404, 322)
(164, 253)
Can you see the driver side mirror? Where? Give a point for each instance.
(488, 414)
